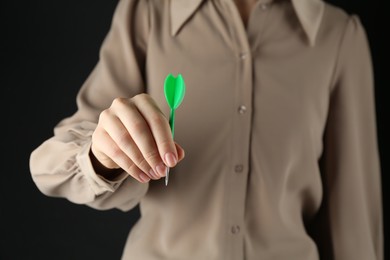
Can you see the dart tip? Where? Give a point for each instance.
(167, 177)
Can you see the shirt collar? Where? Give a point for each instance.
(309, 13)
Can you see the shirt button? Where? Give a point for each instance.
(264, 6)
(243, 55)
(238, 168)
(235, 229)
(242, 109)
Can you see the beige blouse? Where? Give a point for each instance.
(278, 125)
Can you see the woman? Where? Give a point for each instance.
(278, 125)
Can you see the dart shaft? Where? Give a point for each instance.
(172, 125)
(172, 122)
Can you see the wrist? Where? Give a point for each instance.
(101, 170)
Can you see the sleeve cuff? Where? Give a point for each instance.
(98, 184)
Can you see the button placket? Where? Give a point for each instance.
(237, 183)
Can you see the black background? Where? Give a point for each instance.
(48, 48)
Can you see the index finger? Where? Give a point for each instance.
(159, 127)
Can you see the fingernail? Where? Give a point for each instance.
(144, 178)
(170, 159)
(161, 168)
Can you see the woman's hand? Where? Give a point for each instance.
(133, 134)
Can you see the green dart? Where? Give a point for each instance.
(174, 90)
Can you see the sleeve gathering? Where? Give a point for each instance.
(60, 166)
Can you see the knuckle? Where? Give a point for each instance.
(139, 126)
(125, 163)
(124, 138)
(115, 151)
(151, 155)
(130, 168)
(166, 144)
(134, 172)
(142, 164)
(104, 115)
(119, 101)
(138, 159)
(158, 120)
(142, 99)
(142, 96)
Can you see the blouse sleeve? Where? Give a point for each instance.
(351, 216)
(60, 166)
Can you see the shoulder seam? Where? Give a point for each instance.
(338, 58)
